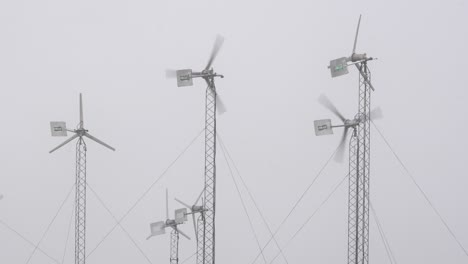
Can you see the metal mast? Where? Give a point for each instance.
(80, 202)
(174, 257)
(209, 203)
(359, 152)
(59, 129)
(206, 224)
(200, 239)
(359, 173)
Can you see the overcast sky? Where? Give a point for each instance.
(275, 61)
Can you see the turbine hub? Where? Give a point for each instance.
(171, 222)
(358, 57)
(197, 208)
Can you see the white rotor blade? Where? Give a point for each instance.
(150, 236)
(171, 73)
(98, 141)
(357, 32)
(339, 155)
(195, 227)
(330, 106)
(167, 204)
(81, 112)
(217, 46)
(199, 196)
(64, 143)
(364, 75)
(182, 233)
(376, 113)
(182, 203)
(220, 106)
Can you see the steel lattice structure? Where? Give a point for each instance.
(209, 202)
(80, 202)
(200, 240)
(359, 173)
(174, 257)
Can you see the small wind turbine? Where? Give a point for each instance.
(339, 66)
(325, 127)
(194, 209)
(212, 103)
(185, 77)
(59, 129)
(159, 228)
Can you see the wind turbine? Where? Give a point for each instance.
(339, 66)
(59, 129)
(197, 225)
(185, 78)
(359, 151)
(159, 228)
(194, 209)
(325, 127)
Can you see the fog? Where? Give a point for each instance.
(274, 60)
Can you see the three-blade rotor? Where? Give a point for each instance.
(193, 210)
(339, 67)
(59, 129)
(324, 127)
(323, 100)
(185, 76)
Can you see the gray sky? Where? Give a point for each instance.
(274, 59)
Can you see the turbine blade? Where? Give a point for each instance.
(330, 106)
(150, 236)
(64, 143)
(364, 75)
(355, 38)
(81, 112)
(220, 106)
(214, 52)
(199, 196)
(376, 113)
(182, 203)
(171, 73)
(339, 155)
(98, 141)
(182, 233)
(195, 227)
(167, 204)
